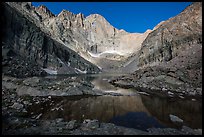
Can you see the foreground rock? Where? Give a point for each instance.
(88, 127)
(175, 118)
(19, 95)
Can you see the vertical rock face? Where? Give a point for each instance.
(170, 57)
(173, 37)
(176, 41)
(92, 37)
(29, 42)
(93, 32)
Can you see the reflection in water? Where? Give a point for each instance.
(138, 111)
(103, 107)
(102, 84)
(128, 111)
(138, 120)
(189, 111)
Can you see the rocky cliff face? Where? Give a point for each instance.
(171, 40)
(92, 37)
(170, 58)
(25, 41)
(174, 36)
(97, 41)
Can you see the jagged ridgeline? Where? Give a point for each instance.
(73, 43)
(92, 37)
(28, 51)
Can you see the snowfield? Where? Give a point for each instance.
(105, 52)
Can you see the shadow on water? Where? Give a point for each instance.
(138, 111)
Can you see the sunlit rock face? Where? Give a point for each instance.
(93, 34)
(92, 37)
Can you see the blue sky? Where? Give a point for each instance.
(130, 16)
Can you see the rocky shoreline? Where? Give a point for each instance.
(89, 127)
(19, 94)
(41, 86)
(168, 81)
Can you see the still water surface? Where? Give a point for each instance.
(134, 110)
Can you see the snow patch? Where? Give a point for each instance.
(81, 71)
(60, 61)
(105, 52)
(112, 52)
(68, 63)
(52, 72)
(94, 55)
(144, 93)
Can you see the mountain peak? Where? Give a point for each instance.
(44, 11)
(158, 25)
(95, 16)
(65, 14)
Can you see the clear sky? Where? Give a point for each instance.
(130, 16)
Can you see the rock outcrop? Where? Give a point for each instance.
(172, 41)
(27, 42)
(175, 37)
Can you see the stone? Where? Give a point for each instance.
(17, 106)
(26, 90)
(9, 85)
(59, 120)
(90, 124)
(24, 111)
(175, 118)
(25, 102)
(31, 81)
(164, 89)
(71, 124)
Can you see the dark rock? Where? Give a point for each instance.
(72, 125)
(89, 124)
(175, 118)
(35, 50)
(17, 106)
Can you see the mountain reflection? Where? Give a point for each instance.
(123, 110)
(138, 111)
(102, 108)
(189, 111)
